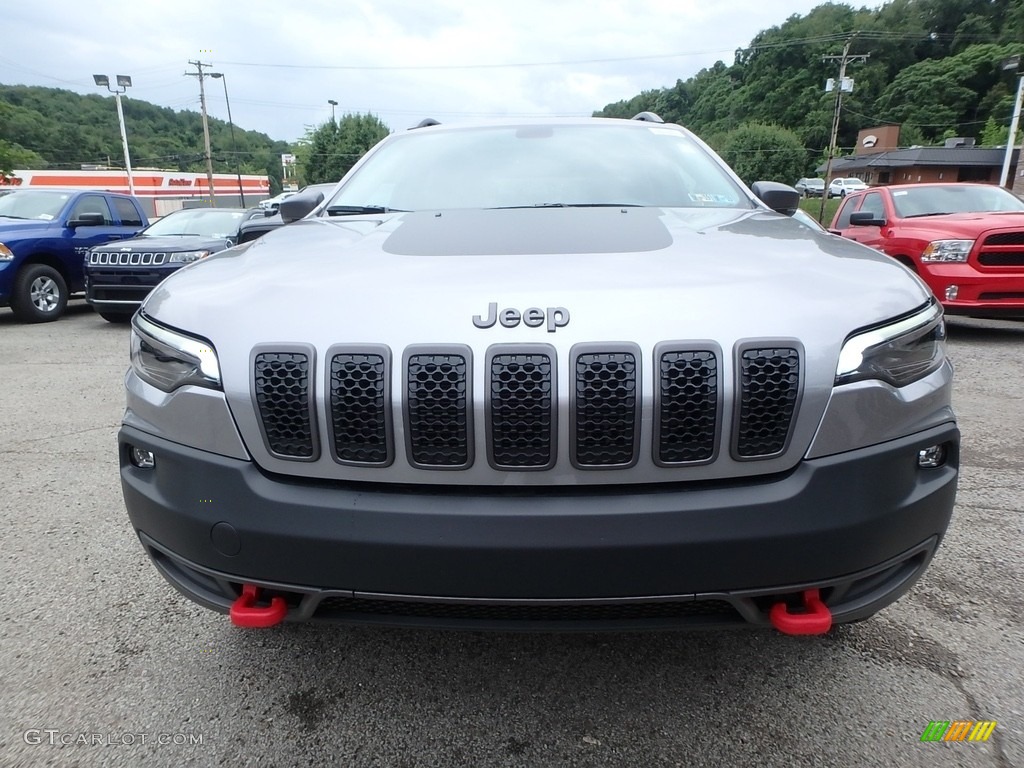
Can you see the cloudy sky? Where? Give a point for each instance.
(400, 59)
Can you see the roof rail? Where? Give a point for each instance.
(648, 117)
(426, 122)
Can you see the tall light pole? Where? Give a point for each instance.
(333, 104)
(124, 82)
(234, 147)
(1012, 64)
(206, 128)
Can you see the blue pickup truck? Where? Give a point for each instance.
(44, 237)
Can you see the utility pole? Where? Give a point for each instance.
(206, 127)
(843, 60)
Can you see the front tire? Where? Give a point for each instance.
(40, 294)
(115, 317)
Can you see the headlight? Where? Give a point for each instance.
(168, 359)
(898, 353)
(6, 254)
(947, 250)
(187, 257)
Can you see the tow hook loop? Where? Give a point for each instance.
(816, 619)
(245, 612)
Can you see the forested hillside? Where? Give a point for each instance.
(54, 128)
(934, 67)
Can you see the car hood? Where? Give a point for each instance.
(621, 274)
(964, 225)
(167, 244)
(18, 226)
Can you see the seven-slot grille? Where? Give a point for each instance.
(126, 259)
(521, 404)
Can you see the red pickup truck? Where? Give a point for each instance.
(966, 241)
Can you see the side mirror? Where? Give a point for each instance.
(296, 206)
(866, 219)
(88, 220)
(779, 197)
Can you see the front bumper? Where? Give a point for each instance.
(979, 292)
(124, 288)
(862, 526)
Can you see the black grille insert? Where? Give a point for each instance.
(687, 406)
(521, 408)
(359, 407)
(281, 384)
(1002, 259)
(605, 409)
(769, 386)
(1005, 238)
(437, 408)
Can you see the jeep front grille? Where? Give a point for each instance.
(605, 408)
(769, 384)
(360, 407)
(686, 406)
(124, 259)
(692, 413)
(281, 385)
(438, 411)
(521, 409)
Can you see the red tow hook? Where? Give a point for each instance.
(245, 612)
(815, 620)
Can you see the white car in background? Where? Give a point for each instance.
(272, 202)
(842, 187)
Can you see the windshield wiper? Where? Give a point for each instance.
(355, 210)
(8, 216)
(932, 213)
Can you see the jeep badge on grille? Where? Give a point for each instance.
(534, 317)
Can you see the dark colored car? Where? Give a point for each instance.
(561, 373)
(257, 226)
(966, 241)
(118, 277)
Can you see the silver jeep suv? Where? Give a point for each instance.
(565, 373)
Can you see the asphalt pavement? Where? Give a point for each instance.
(103, 663)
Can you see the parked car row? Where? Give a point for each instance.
(58, 243)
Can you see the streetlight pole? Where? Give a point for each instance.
(234, 147)
(1013, 63)
(333, 104)
(124, 82)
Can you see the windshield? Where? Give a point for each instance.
(208, 222)
(539, 165)
(44, 204)
(953, 198)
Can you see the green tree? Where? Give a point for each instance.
(993, 134)
(335, 147)
(765, 152)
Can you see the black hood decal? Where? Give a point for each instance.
(511, 231)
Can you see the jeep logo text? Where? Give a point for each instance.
(555, 317)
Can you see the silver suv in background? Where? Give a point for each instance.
(810, 187)
(565, 373)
